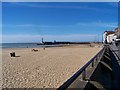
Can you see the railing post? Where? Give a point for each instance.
(97, 58)
(84, 74)
(93, 63)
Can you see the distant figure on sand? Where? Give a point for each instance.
(12, 54)
(43, 47)
(35, 50)
(43, 44)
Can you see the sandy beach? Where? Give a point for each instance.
(47, 68)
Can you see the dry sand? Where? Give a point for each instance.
(43, 69)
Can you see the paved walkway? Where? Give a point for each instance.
(116, 67)
(116, 49)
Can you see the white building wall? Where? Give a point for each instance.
(104, 37)
(111, 38)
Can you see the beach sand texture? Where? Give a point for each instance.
(47, 68)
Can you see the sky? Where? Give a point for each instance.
(60, 21)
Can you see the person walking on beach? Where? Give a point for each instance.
(43, 47)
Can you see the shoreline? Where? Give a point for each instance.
(52, 46)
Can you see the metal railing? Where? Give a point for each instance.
(82, 71)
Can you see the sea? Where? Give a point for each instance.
(23, 45)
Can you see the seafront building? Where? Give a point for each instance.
(111, 36)
(117, 32)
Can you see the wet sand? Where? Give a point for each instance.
(47, 68)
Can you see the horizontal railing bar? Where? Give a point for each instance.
(79, 72)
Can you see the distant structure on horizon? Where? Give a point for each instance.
(42, 40)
